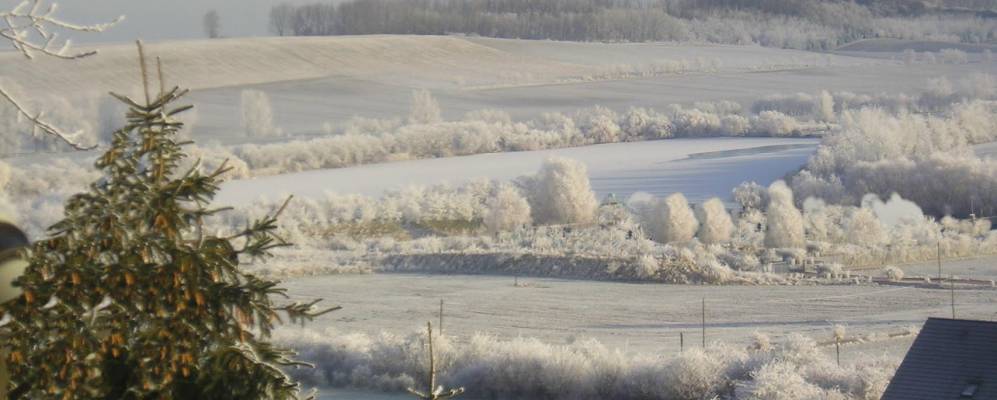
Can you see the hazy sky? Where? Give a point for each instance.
(154, 20)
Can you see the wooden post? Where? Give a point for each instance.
(952, 286)
(432, 359)
(704, 322)
(837, 349)
(681, 342)
(441, 316)
(939, 259)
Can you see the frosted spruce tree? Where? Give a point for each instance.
(130, 298)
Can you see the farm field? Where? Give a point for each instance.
(635, 318)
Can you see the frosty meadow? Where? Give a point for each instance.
(587, 199)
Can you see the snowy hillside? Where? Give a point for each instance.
(387, 59)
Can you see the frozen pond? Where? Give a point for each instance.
(700, 168)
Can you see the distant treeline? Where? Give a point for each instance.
(810, 24)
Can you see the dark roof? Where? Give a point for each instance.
(948, 357)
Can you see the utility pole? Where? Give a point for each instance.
(681, 342)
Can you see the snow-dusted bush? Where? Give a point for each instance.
(489, 116)
(424, 108)
(909, 56)
(560, 193)
(751, 196)
(526, 368)
(824, 107)
(785, 223)
(672, 220)
(257, 115)
(953, 56)
(774, 123)
(598, 124)
(715, 222)
(893, 273)
(645, 124)
(925, 159)
(507, 210)
(864, 228)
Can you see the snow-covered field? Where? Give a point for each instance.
(634, 318)
(700, 168)
(563, 77)
(638, 317)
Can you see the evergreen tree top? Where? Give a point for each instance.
(129, 297)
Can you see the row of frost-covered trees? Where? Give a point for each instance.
(803, 24)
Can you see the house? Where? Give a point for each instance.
(951, 359)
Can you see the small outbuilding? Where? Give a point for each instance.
(951, 359)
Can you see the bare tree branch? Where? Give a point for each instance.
(41, 125)
(30, 27)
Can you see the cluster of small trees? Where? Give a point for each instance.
(425, 135)
(923, 158)
(803, 24)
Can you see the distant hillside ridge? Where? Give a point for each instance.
(202, 64)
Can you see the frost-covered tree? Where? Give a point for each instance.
(507, 210)
(257, 115)
(751, 196)
(864, 228)
(130, 297)
(785, 223)
(561, 193)
(598, 124)
(824, 107)
(424, 108)
(715, 225)
(674, 220)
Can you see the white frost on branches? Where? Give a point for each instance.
(673, 220)
(257, 115)
(31, 29)
(561, 193)
(715, 222)
(507, 210)
(785, 223)
(425, 109)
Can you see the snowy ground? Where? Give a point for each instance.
(631, 317)
(700, 168)
(314, 80)
(635, 317)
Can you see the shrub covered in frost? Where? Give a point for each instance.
(560, 193)
(894, 273)
(715, 224)
(784, 221)
(526, 368)
(257, 115)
